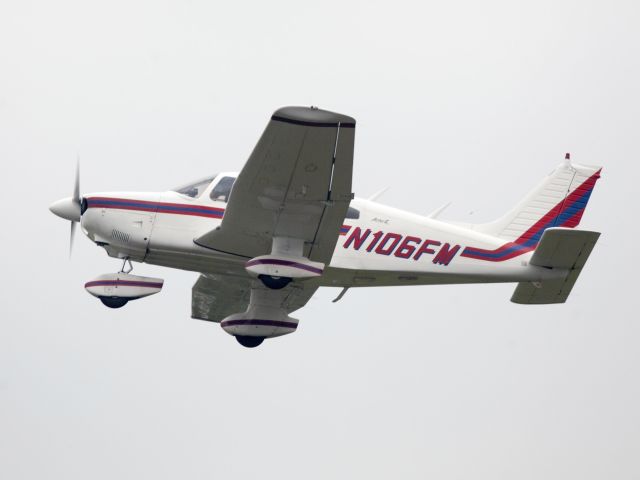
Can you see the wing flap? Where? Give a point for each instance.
(214, 297)
(324, 243)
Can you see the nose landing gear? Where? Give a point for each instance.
(115, 290)
(124, 264)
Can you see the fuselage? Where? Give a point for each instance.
(264, 240)
(377, 245)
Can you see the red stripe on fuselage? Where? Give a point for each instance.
(122, 283)
(149, 206)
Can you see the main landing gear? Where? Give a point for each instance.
(115, 290)
(118, 302)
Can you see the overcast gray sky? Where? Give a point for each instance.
(470, 102)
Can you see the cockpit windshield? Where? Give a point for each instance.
(195, 189)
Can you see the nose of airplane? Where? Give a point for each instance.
(67, 208)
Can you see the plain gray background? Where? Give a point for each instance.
(470, 102)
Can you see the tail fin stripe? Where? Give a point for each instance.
(566, 213)
(505, 252)
(560, 218)
(556, 216)
(577, 202)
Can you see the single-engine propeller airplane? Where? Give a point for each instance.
(264, 239)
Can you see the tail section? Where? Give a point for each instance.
(559, 201)
(560, 248)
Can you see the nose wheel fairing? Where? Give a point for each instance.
(116, 289)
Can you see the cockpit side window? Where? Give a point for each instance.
(222, 190)
(195, 189)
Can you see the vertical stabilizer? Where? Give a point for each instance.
(558, 201)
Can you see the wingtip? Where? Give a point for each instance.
(312, 116)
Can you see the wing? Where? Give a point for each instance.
(214, 297)
(296, 183)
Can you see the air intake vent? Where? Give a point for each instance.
(120, 236)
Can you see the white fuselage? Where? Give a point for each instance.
(383, 246)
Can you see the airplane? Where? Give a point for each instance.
(265, 239)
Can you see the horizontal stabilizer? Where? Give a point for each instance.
(561, 248)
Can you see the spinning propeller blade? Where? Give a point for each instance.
(73, 233)
(76, 186)
(76, 201)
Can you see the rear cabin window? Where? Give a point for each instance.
(222, 190)
(353, 213)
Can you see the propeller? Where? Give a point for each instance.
(70, 208)
(77, 203)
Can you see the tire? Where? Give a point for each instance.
(114, 302)
(274, 283)
(249, 342)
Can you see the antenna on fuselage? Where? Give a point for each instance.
(436, 213)
(375, 196)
